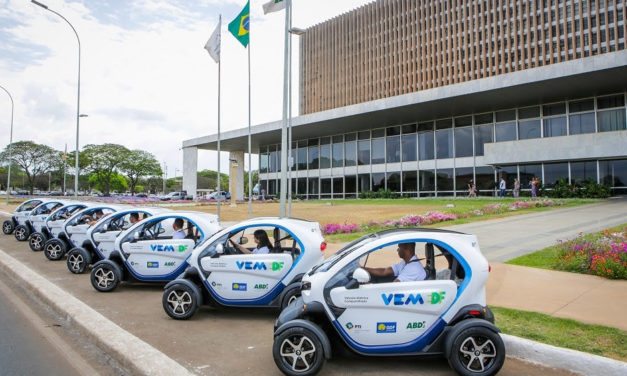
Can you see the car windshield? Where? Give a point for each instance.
(347, 250)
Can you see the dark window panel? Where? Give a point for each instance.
(582, 123)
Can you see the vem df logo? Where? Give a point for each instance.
(412, 299)
(258, 265)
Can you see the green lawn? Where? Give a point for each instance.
(571, 334)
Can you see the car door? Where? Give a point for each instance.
(78, 231)
(246, 277)
(376, 315)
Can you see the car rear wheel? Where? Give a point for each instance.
(54, 249)
(8, 227)
(36, 241)
(476, 351)
(21, 233)
(298, 351)
(180, 302)
(105, 276)
(290, 296)
(78, 259)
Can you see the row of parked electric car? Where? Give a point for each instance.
(322, 301)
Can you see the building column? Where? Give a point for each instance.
(190, 170)
(236, 157)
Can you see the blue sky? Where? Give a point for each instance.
(146, 81)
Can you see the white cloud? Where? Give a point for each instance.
(146, 81)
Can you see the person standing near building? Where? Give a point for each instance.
(532, 183)
(516, 188)
(502, 187)
(472, 189)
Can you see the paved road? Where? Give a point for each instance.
(507, 238)
(24, 348)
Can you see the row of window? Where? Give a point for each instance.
(455, 181)
(459, 137)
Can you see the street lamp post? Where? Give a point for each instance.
(10, 147)
(78, 98)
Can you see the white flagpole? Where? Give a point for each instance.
(250, 171)
(283, 189)
(289, 125)
(219, 195)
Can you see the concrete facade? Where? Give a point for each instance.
(190, 168)
(236, 158)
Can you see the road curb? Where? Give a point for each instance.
(131, 352)
(565, 359)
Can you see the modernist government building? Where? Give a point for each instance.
(418, 97)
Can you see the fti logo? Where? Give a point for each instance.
(350, 326)
(386, 327)
(239, 287)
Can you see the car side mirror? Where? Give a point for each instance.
(242, 240)
(361, 275)
(219, 251)
(136, 235)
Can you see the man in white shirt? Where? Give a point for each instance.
(179, 233)
(406, 270)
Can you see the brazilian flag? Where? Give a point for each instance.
(240, 26)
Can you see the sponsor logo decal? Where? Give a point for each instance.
(386, 327)
(217, 264)
(168, 248)
(258, 265)
(169, 263)
(239, 287)
(351, 326)
(437, 297)
(261, 286)
(416, 325)
(355, 299)
(412, 299)
(152, 264)
(216, 284)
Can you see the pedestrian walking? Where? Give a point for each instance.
(472, 189)
(502, 187)
(532, 184)
(516, 188)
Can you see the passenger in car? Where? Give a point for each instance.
(261, 239)
(407, 270)
(179, 233)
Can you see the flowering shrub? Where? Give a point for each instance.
(604, 254)
(334, 228)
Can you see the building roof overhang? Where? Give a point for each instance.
(596, 75)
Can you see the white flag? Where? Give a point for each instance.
(213, 44)
(273, 6)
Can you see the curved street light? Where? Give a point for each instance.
(10, 146)
(78, 99)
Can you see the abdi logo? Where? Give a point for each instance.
(386, 327)
(239, 287)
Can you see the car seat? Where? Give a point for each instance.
(430, 262)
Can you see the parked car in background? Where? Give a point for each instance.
(176, 195)
(222, 196)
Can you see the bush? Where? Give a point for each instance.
(588, 189)
(381, 193)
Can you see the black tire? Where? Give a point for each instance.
(36, 241)
(54, 249)
(476, 351)
(105, 276)
(298, 351)
(21, 233)
(7, 227)
(180, 301)
(291, 294)
(78, 259)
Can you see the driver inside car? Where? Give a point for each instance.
(179, 233)
(407, 270)
(262, 241)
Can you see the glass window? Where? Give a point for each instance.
(484, 118)
(610, 102)
(463, 142)
(392, 149)
(392, 131)
(363, 181)
(553, 172)
(507, 115)
(325, 188)
(313, 154)
(350, 153)
(363, 135)
(394, 181)
(410, 181)
(582, 171)
(528, 112)
(555, 126)
(483, 135)
(527, 172)
(302, 187)
(378, 150)
(325, 152)
(338, 151)
(613, 173)
(509, 173)
(294, 154)
(427, 180)
(505, 131)
(272, 165)
(313, 188)
(611, 120)
(425, 144)
(350, 186)
(411, 128)
(445, 179)
(581, 106)
(484, 180)
(462, 178)
(364, 152)
(582, 123)
(376, 133)
(529, 129)
(301, 163)
(554, 109)
(444, 143)
(338, 187)
(263, 163)
(408, 147)
(378, 181)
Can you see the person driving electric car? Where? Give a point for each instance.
(179, 233)
(262, 241)
(407, 270)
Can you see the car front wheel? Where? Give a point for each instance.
(8, 227)
(78, 259)
(477, 351)
(54, 249)
(36, 241)
(105, 276)
(298, 351)
(21, 233)
(180, 302)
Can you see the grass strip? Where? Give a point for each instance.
(594, 339)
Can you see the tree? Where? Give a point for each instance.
(116, 182)
(138, 164)
(104, 162)
(34, 159)
(208, 179)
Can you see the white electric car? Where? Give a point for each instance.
(37, 222)
(152, 251)
(221, 274)
(19, 217)
(101, 236)
(445, 314)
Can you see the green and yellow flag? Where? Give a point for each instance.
(240, 26)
